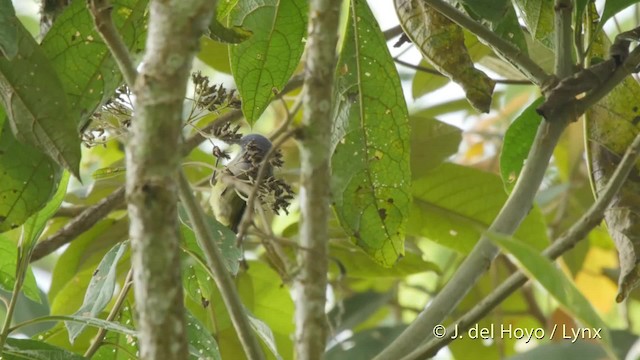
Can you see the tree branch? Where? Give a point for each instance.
(223, 280)
(576, 233)
(512, 213)
(315, 175)
(511, 53)
(101, 12)
(81, 223)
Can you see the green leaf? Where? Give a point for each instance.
(492, 10)
(8, 265)
(441, 42)
(231, 35)
(432, 142)
(37, 110)
(75, 267)
(20, 349)
(100, 290)
(425, 82)
(365, 344)
(538, 15)
(214, 54)
(502, 18)
(453, 205)
(201, 344)
(517, 143)
(225, 240)
(555, 282)
(28, 179)
(371, 169)
(88, 72)
(94, 322)
(36, 223)
(612, 7)
(266, 61)
(8, 30)
(611, 126)
(357, 264)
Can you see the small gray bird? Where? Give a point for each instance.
(229, 202)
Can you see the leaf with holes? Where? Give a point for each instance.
(265, 62)
(371, 174)
(36, 108)
(442, 43)
(87, 70)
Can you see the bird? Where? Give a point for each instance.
(227, 201)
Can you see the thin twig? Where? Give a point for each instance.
(101, 12)
(223, 280)
(115, 310)
(566, 242)
(79, 224)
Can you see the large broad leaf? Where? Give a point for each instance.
(202, 345)
(454, 204)
(371, 174)
(432, 142)
(100, 290)
(517, 143)
(611, 125)
(88, 72)
(28, 179)
(538, 15)
(36, 108)
(559, 286)
(442, 43)
(8, 30)
(265, 62)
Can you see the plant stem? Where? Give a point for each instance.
(315, 174)
(223, 280)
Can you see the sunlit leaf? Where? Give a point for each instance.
(37, 222)
(517, 143)
(538, 15)
(442, 43)
(454, 204)
(100, 290)
(555, 282)
(371, 173)
(265, 334)
(265, 62)
(37, 110)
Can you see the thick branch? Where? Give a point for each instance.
(153, 163)
(576, 233)
(311, 283)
